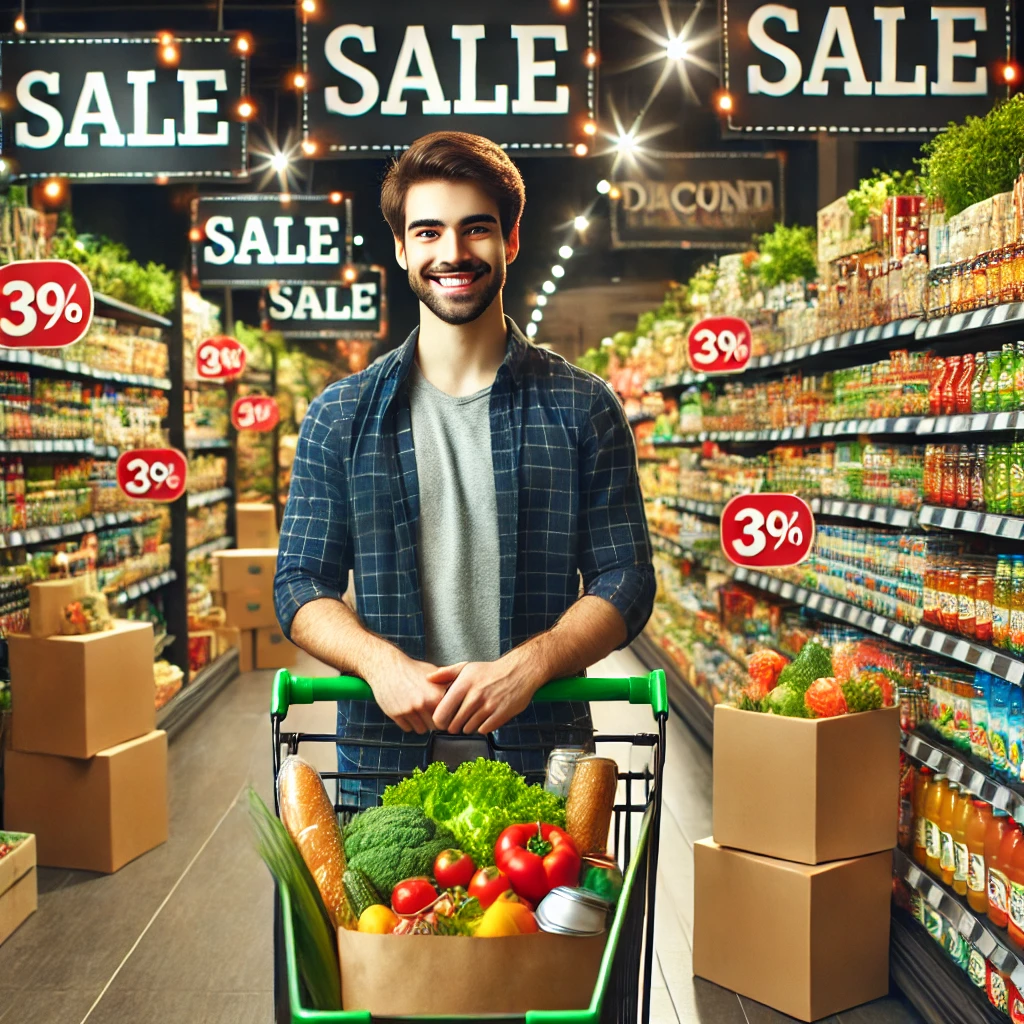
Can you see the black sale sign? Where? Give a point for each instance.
(380, 76)
(355, 309)
(119, 107)
(806, 66)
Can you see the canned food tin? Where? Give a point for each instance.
(561, 765)
(567, 911)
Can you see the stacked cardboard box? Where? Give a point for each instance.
(19, 890)
(246, 578)
(255, 525)
(800, 863)
(86, 771)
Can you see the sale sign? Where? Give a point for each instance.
(152, 474)
(767, 530)
(720, 344)
(255, 412)
(43, 304)
(220, 358)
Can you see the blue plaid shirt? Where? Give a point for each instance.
(568, 499)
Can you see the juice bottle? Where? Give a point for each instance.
(977, 497)
(983, 603)
(964, 475)
(961, 856)
(948, 383)
(962, 384)
(949, 597)
(998, 726)
(965, 618)
(976, 831)
(938, 370)
(950, 463)
(990, 385)
(978, 382)
(995, 877)
(923, 782)
(1004, 859)
(1007, 365)
(1015, 874)
(947, 812)
(1018, 375)
(1017, 605)
(933, 474)
(979, 717)
(933, 833)
(1001, 602)
(1015, 731)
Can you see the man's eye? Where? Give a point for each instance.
(478, 229)
(427, 234)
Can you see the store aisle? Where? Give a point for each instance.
(183, 934)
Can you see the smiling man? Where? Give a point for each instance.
(472, 481)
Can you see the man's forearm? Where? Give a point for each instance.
(333, 633)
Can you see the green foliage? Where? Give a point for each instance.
(594, 360)
(869, 197)
(703, 282)
(113, 272)
(975, 160)
(813, 662)
(788, 254)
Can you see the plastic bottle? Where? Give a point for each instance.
(1004, 859)
(979, 717)
(977, 498)
(1018, 375)
(997, 479)
(978, 382)
(961, 856)
(1015, 874)
(947, 814)
(938, 371)
(966, 607)
(983, 602)
(948, 385)
(932, 817)
(923, 782)
(932, 483)
(977, 830)
(996, 881)
(1001, 594)
(999, 698)
(1017, 477)
(1016, 643)
(950, 465)
(964, 475)
(1007, 365)
(990, 385)
(962, 384)
(1015, 732)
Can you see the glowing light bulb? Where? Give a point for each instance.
(19, 24)
(299, 80)
(590, 128)
(53, 189)
(308, 147)
(335, 197)
(677, 49)
(581, 149)
(565, 252)
(558, 270)
(246, 109)
(531, 330)
(604, 187)
(537, 315)
(357, 239)
(542, 300)
(580, 223)
(549, 287)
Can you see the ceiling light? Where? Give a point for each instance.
(582, 149)
(279, 162)
(549, 287)
(565, 252)
(677, 49)
(604, 186)
(542, 300)
(357, 239)
(531, 330)
(308, 147)
(580, 223)
(558, 270)
(19, 23)
(537, 315)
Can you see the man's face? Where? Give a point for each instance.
(453, 249)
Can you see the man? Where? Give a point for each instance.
(470, 479)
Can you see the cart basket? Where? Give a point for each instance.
(623, 991)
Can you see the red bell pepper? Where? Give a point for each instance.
(537, 858)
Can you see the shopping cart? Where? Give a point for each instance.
(623, 987)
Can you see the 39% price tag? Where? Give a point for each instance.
(767, 530)
(43, 304)
(255, 412)
(720, 344)
(220, 358)
(152, 474)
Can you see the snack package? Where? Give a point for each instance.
(89, 614)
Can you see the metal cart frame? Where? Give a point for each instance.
(621, 990)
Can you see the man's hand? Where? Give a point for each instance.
(483, 695)
(404, 690)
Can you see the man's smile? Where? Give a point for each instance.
(453, 282)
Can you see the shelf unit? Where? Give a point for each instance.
(209, 497)
(218, 544)
(136, 590)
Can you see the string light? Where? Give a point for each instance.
(19, 23)
(166, 38)
(299, 80)
(565, 252)
(580, 223)
(531, 330)
(161, 179)
(537, 315)
(582, 149)
(549, 287)
(590, 128)
(1010, 73)
(357, 239)
(542, 300)
(723, 102)
(308, 147)
(604, 187)
(286, 198)
(195, 235)
(349, 275)
(558, 270)
(169, 54)
(309, 6)
(335, 197)
(590, 58)
(615, 192)
(53, 189)
(246, 109)
(243, 44)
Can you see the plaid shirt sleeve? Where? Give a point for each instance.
(316, 543)
(615, 550)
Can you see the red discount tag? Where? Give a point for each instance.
(720, 344)
(255, 412)
(43, 304)
(767, 530)
(220, 358)
(152, 474)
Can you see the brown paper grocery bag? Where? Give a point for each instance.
(399, 975)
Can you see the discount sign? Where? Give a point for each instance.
(152, 474)
(720, 344)
(43, 304)
(220, 359)
(255, 412)
(767, 530)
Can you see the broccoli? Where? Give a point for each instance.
(394, 843)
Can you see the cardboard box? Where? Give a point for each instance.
(46, 601)
(225, 639)
(95, 815)
(274, 649)
(76, 695)
(392, 977)
(20, 861)
(252, 608)
(255, 525)
(246, 650)
(806, 940)
(246, 568)
(832, 786)
(18, 904)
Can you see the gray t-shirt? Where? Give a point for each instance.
(458, 556)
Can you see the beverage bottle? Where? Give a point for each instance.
(1017, 476)
(922, 784)
(1015, 874)
(932, 482)
(933, 833)
(983, 603)
(1007, 366)
(968, 594)
(997, 884)
(950, 464)
(949, 597)
(977, 498)
(990, 385)
(949, 376)
(1012, 838)
(979, 717)
(997, 479)
(1015, 732)
(964, 475)
(938, 370)
(1018, 375)
(947, 812)
(977, 830)
(1001, 593)
(978, 382)
(1017, 605)
(930, 595)
(961, 857)
(998, 726)
(962, 384)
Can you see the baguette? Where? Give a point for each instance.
(308, 815)
(591, 802)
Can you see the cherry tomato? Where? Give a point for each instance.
(488, 884)
(452, 868)
(412, 895)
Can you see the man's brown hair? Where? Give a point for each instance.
(454, 156)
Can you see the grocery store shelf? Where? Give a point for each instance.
(813, 432)
(705, 509)
(988, 523)
(979, 319)
(970, 423)
(691, 707)
(675, 546)
(209, 497)
(674, 381)
(191, 699)
(47, 446)
(194, 444)
(202, 550)
(955, 648)
(136, 590)
(46, 534)
(36, 359)
(106, 305)
(837, 343)
(642, 418)
(882, 515)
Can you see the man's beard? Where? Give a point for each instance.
(457, 310)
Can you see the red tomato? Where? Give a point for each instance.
(412, 895)
(488, 884)
(452, 868)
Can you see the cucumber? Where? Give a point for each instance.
(359, 891)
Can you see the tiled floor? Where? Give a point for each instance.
(183, 934)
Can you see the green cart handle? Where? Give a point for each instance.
(650, 689)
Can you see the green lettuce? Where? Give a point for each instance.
(476, 802)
